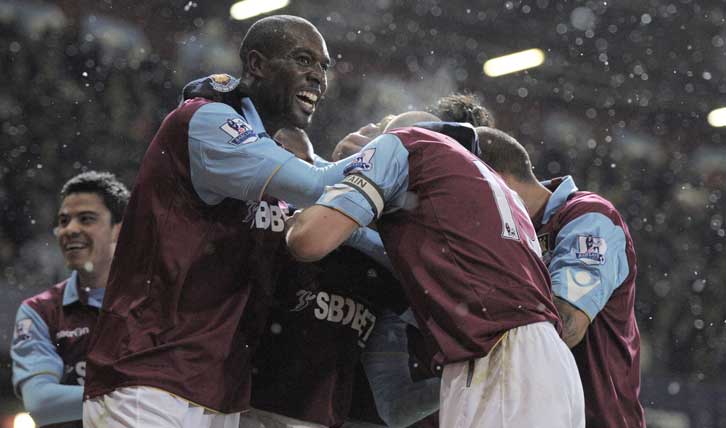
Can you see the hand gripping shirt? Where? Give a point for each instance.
(461, 241)
(198, 255)
(591, 259)
(52, 332)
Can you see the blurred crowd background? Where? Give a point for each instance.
(620, 104)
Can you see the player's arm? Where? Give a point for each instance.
(368, 242)
(582, 280)
(37, 369)
(317, 231)
(399, 400)
(229, 159)
(377, 180)
(575, 322)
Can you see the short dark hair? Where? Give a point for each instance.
(267, 35)
(504, 154)
(113, 192)
(462, 107)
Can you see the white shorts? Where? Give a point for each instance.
(529, 380)
(147, 407)
(262, 419)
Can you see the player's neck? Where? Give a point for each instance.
(534, 195)
(251, 88)
(92, 279)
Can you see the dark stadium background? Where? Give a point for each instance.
(620, 103)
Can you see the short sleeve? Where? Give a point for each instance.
(589, 262)
(32, 349)
(375, 182)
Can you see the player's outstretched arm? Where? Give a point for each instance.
(232, 157)
(317, 231)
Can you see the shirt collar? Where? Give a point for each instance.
(70, 294)
(559, 196)
(253, 118)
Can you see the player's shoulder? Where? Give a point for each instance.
(215, 87)
(189, 107)
(219, 90)
(47, 300)
(582, 202)
(201, 111)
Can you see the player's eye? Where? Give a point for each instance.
(87, 219)
(304, 60)
(62, 221)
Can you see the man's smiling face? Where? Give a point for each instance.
(85, 232)
(296, 78)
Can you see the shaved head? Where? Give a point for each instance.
(410, 118)
(273, 35)
(505, 154)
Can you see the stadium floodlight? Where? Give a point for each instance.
(514, 62)
(248, 8)
(717, 117)
(23, 420)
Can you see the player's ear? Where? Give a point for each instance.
(257, 64)
(115, 229)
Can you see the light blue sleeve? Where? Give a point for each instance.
(301, 184)
(589, 262)
(318, 161)
(229, 160)
(399, 400)
(376, 181)
(49, 402)
(368, 242)
(32, 349)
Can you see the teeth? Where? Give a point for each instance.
(309, 95)
(74, 246)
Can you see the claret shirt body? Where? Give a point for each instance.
(460, 240)
(52, 334)
(197, 253)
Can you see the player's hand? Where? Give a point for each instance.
(295, 141)
(353, 142)
(291, 220)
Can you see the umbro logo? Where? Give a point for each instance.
(76, 332)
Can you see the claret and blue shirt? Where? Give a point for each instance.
(52, 331)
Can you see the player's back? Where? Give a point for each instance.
(181, 278)
(466, 249)
(608, 357)
(323, 315)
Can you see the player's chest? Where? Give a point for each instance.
(72, 332)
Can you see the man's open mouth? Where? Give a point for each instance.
(307, 100)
